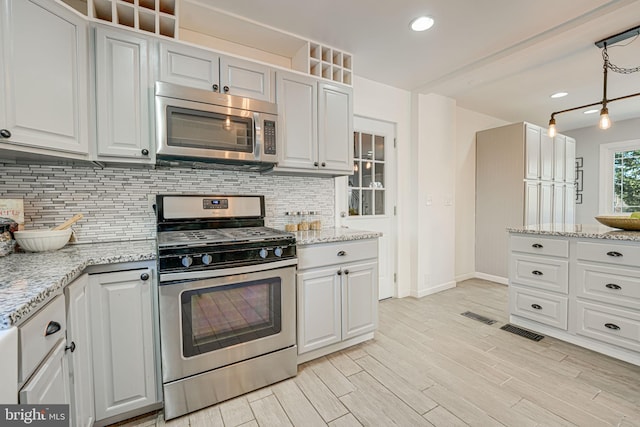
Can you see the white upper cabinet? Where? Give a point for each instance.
(546, 156)
(200, 68)
(316, 126)
(559, 153)
(532, 154)
(122, 96)
(43, 79)
(570, 160)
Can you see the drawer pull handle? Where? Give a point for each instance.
(536, 306)
(614, 254)
(52, 328)
(612, 326)
(537, 246)
(537, 273)
(342, 253)
(613, 286)
(71, 347)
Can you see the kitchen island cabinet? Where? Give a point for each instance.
(578, 283)
(337, 296)
(44, 80)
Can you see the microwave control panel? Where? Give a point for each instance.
(269, 137)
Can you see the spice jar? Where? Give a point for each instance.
(291, 221)
(315, 223)
(303, 225)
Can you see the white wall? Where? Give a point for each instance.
(467, 124)
(382, 102)
(588, 141)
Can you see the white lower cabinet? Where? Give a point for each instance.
(337, 302)
(50, 383)
(124, 359)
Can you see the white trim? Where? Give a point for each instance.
(498, 279)
(434, 290)
(607, 151)
(466, 276)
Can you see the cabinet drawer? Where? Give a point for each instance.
(540, 272)
(542, 307)
(35, 344)
(612, 253)
(612, 325)
(613, 285)
(540, 246)
(319, 255)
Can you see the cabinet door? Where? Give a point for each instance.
(532, 151)
(43, 77)
(79, 356)
(189, 66)
(546, 156)
(531, 202)
(50, 383)
(570, 160)
(335, 128)
(545, 215)
(298, 121)
(359, 299)
(558, 203)
(122, 95)
(319, 308)
(559, 160)
(245, 78)
(122, 334)
(570, 204)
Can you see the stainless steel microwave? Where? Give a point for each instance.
(196, 125)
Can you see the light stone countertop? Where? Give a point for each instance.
(328, 235)
(29, 280)
(585, 231)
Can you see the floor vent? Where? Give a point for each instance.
(522, 332)
(478, 317)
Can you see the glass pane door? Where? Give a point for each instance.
(367, 184)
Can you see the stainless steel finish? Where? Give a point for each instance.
(199, 391)
(176, 366)
(206, 101)
(191, 207)
(219, 235)
(203, 274)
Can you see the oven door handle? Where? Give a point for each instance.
(206, 274)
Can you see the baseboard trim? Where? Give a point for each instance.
(492, 278)
(465, 276)
(434, 290)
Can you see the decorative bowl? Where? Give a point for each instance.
(42, 240)
(623, 222)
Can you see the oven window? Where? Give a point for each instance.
(208, 130)
(218, 317)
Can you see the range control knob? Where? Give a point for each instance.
(206, 259)
(277, 252)
(187, 261)
(263, 253)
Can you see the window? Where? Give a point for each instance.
(620, 177)
(367, 184)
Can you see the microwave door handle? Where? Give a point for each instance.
(257, 136)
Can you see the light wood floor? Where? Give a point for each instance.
(428, 365)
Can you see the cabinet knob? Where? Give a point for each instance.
(612, 326)
(5, 133)
(536, 306)
(346, 272)
(614, 254)
(52, 328)
(613, 286)
(537, 246)
(226, 89)
(323, 164)
(341, 253)
(339, 272)
(315, 163)
(537, 273)
(215, 88)
(144, 276)
(145, 152)
(71, 347)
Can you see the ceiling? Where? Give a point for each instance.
(503, 58)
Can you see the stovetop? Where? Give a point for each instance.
(214, 236)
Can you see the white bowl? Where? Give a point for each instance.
(42, 240)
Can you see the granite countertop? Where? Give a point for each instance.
(29, 280)
(328, 235)
(588, 231)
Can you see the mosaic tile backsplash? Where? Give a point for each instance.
(115, 200)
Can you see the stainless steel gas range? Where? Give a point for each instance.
(226, 298)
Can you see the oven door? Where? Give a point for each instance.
(210, 323)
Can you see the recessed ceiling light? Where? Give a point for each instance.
(422, 23)
(591, 111)
(559, 94)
